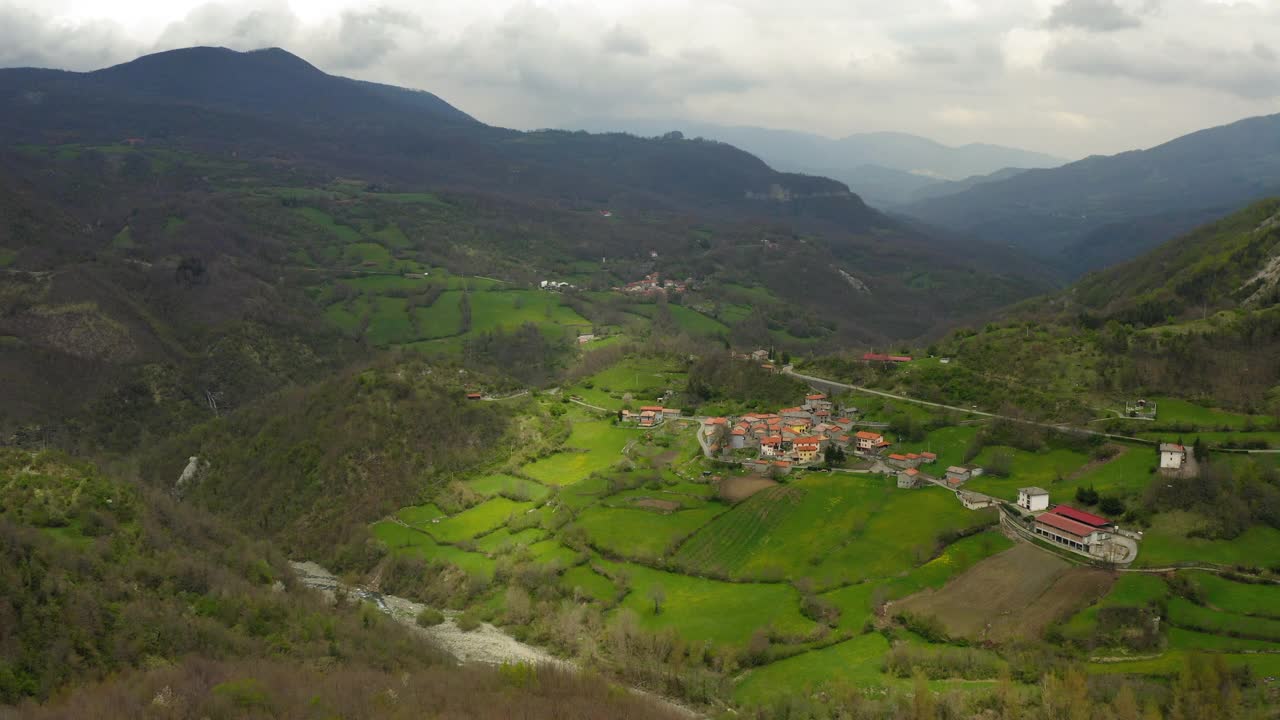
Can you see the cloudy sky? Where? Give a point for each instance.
(1070, 77)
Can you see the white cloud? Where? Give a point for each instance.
(1067, 76)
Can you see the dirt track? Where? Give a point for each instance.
(1016, 594)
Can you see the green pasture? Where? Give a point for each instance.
(592, 583)
(948, 443)
(551, 551)
(1042, 469)
(631, 498)
(419, 516)
(1166, 542)
(477, 520)
(593, 445)
(1183, 639)
(833, 528)
(1238, 597)
(1184, 613)
(1130, 590)
(503, 540)
(1271, 438)
(1171, 411)
(641, 534)
(325, 221)
(402, 540)
(719, 612)
(695, 323)
(642, 377)
(508, 486)
(1171, 663)
(853, 662)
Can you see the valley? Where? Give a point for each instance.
(323, 398)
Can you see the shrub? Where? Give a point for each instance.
(430, 617)
(468, 621)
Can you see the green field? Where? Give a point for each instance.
(643, 378)
(1174, 411)
(695, 323)
(1183, 613)
(1042, 469)
(1271, 438)
(854, 662)
(591, 583)
(642, 534)
(509, 486)
(420, 516)
(948, 443)
(719, 612)
(833, 528)
(1238, 597)
(1166, 542)
(503, 540)
(407, 541)
(480, 519)
(594, 445)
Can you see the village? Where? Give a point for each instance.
(817, 434)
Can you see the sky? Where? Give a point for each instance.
(1067, 77)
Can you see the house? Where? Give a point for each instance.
(928, 458)
(806, 449)
(909, 479)
(817, 404)
(1033, 498)
(957, 474)
(771, 446)
(1172, 456)
(738, 438)
(584, 339)
(782, 467)
(869, 442)
(1073, 528)
(760, 356)
(474, 396)
(671, 413)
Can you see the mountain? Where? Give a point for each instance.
(1103, 210)
(188, 224)
(951, 187)
(887, 169)
(1232, 264)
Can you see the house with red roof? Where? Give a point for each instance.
(1080, 516)
(1063, 530)
(910, 479)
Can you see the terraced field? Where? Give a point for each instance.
(509, 486)
(477, 520)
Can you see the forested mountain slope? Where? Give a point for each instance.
(184, 233)
(1102, 210)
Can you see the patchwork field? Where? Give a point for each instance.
(509, 486)
(591, 447)
(1016, 594)
(477, 520)
(855, 663)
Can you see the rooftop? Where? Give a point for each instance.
(1033, 491)
(1065, 524)
(1080, 516)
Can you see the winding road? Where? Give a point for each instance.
(1061, 427)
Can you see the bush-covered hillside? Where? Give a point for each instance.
(311, 466)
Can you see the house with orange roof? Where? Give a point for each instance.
(870, 442)
(807, 449)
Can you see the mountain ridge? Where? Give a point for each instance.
(1106, 209)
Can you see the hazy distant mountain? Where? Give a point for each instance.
(1103, 210)
(885, 168)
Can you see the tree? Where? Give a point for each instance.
(1126, 705)
(658, 595)
(1111, 506)
(833, 455)
(1087, 496)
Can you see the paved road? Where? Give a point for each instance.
(788, 370)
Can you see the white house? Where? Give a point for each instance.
(1033, 498)
(1172, 456)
